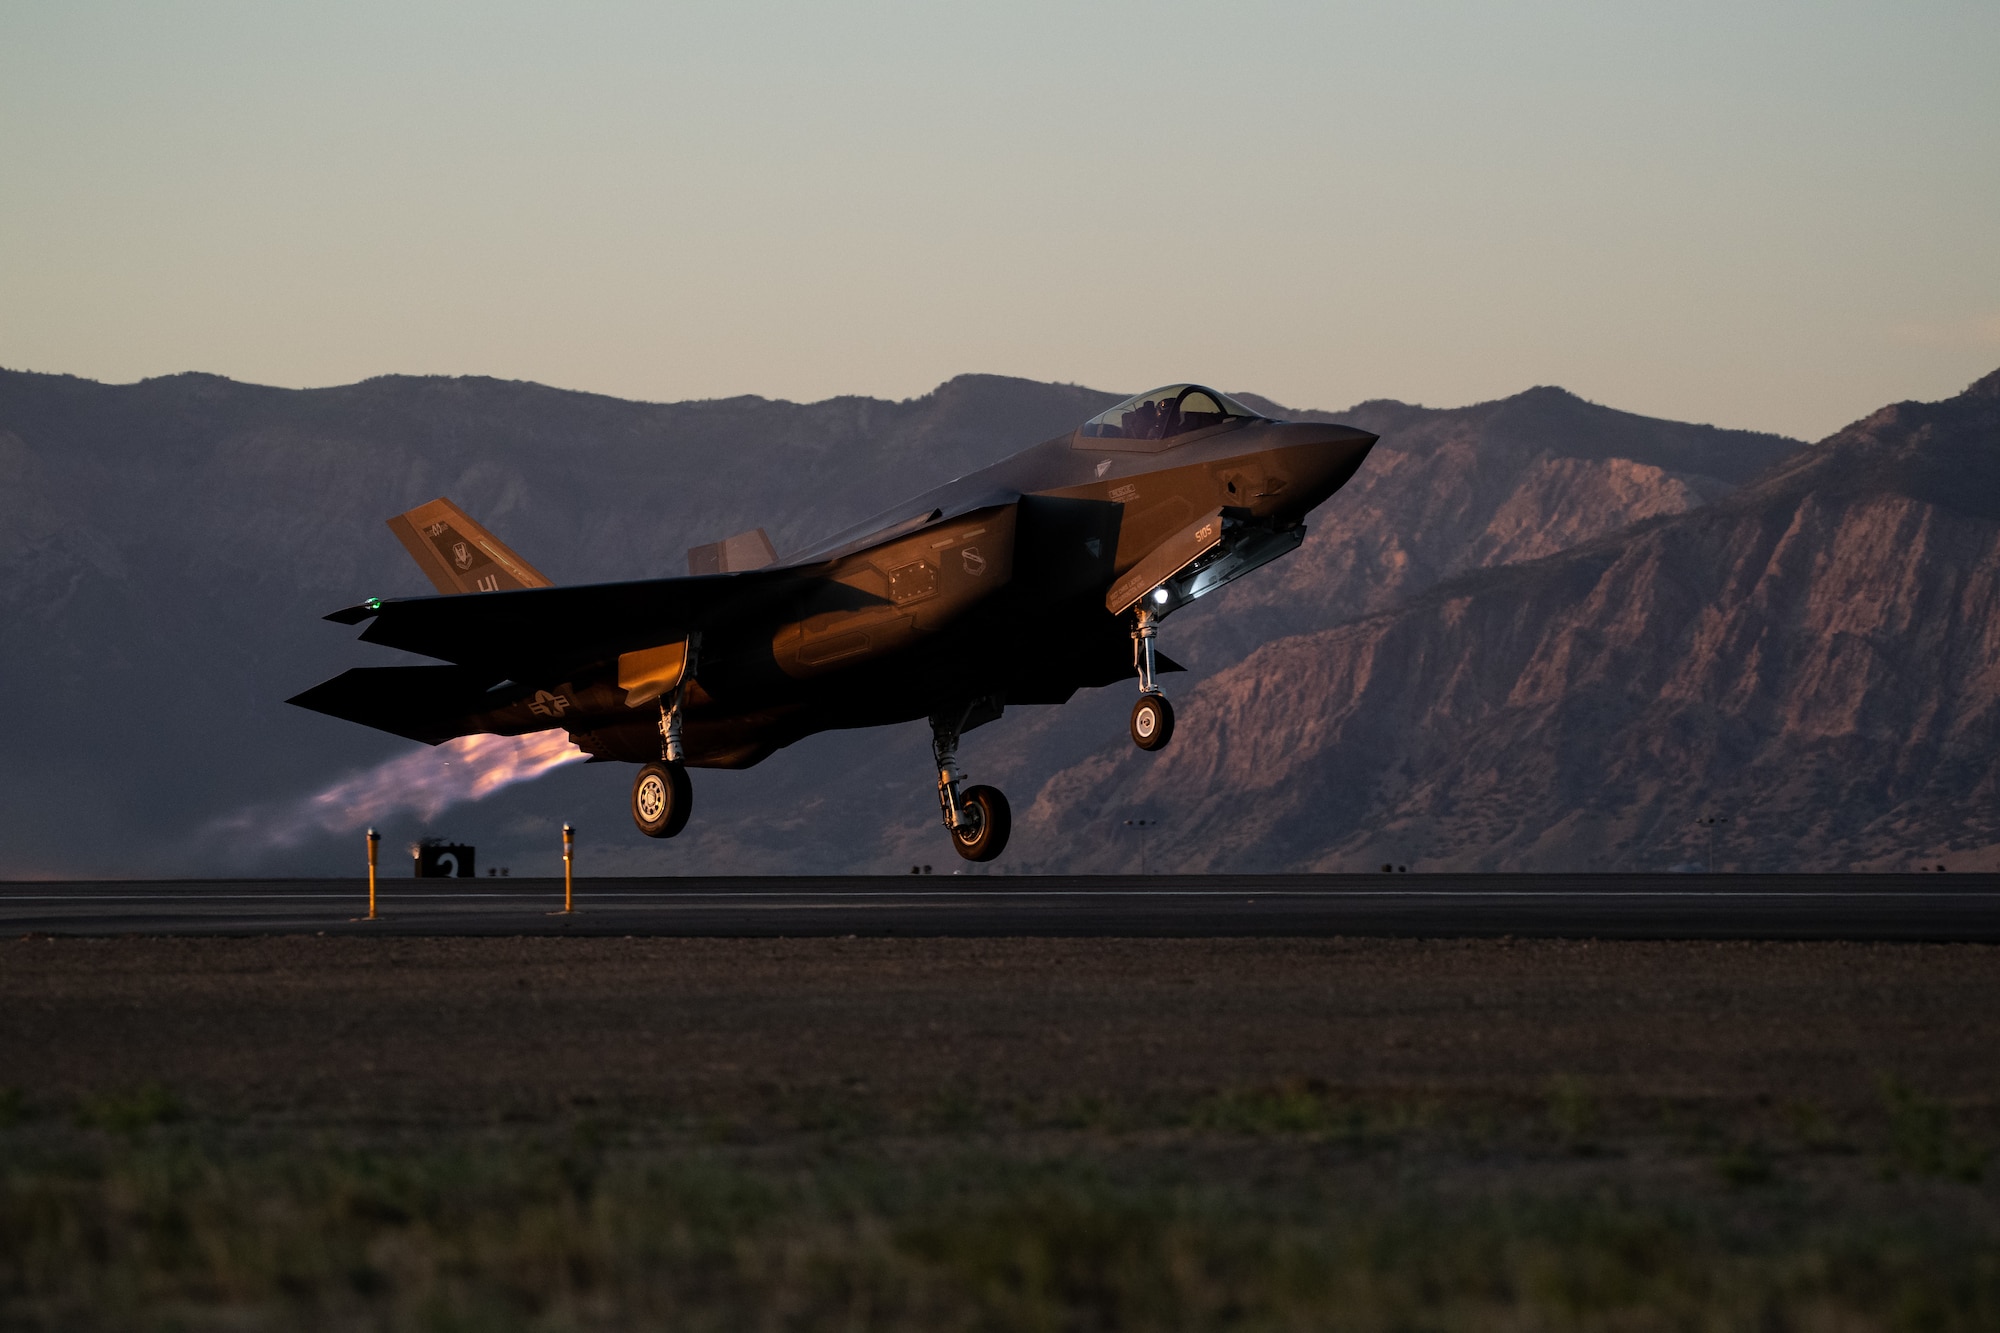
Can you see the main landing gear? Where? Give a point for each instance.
(978, 817)
(662, 796)
(1152, 716)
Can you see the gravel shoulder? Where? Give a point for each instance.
(475, 1026)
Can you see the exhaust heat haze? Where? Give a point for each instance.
(425, 782)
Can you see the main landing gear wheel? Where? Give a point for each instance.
(662, 798)
(1152, 722)
(984, 821)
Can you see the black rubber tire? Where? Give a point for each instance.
(662, 799)
(984, 823)
(1152, 722)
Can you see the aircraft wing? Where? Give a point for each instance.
(531, 633)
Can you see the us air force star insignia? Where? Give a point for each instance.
(545, 704)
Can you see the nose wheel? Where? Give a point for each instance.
(1152, 722)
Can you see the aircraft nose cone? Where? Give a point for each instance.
(1320, 458)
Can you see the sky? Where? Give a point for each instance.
(1767, 215)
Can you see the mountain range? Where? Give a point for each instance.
(1811, 661)
(1535, 633)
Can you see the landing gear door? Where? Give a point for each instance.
(649, 673)
(1164, 561)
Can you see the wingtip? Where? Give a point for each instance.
(354, 615)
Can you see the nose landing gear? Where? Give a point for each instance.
(978, 817)
(1152, 716)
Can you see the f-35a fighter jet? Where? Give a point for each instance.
(1021, 583)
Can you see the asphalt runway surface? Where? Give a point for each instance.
(1964, 907)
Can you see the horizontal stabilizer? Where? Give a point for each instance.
(733, 555)
(535, 633)
(424, 703)
(457, 555)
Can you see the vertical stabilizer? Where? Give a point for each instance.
(458, 555)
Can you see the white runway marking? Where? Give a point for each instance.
(1859, 907)
(1736, 895)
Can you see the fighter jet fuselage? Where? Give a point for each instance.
(1021, 583)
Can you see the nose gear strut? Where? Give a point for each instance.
(1145, 626)
(1152, 716)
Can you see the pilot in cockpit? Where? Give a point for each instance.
(1163, 414)
(1145, 422)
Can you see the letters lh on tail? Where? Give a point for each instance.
(458, 555)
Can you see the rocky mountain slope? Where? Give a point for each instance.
(166, 549)
(1815, 659)
(1491, 484)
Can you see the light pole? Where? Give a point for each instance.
(1139, 826)
(1710, 821)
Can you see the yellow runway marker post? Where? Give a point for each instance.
(374, 841)
(569, 850)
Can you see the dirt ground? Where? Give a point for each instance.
(444, 1026)
(557, 1134)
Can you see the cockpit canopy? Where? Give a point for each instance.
(1178, 409)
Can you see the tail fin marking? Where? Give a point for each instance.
(458, 555)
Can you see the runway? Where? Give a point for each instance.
(1964, 907)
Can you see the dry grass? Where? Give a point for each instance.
(170, 1158)
(1274, 1207)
